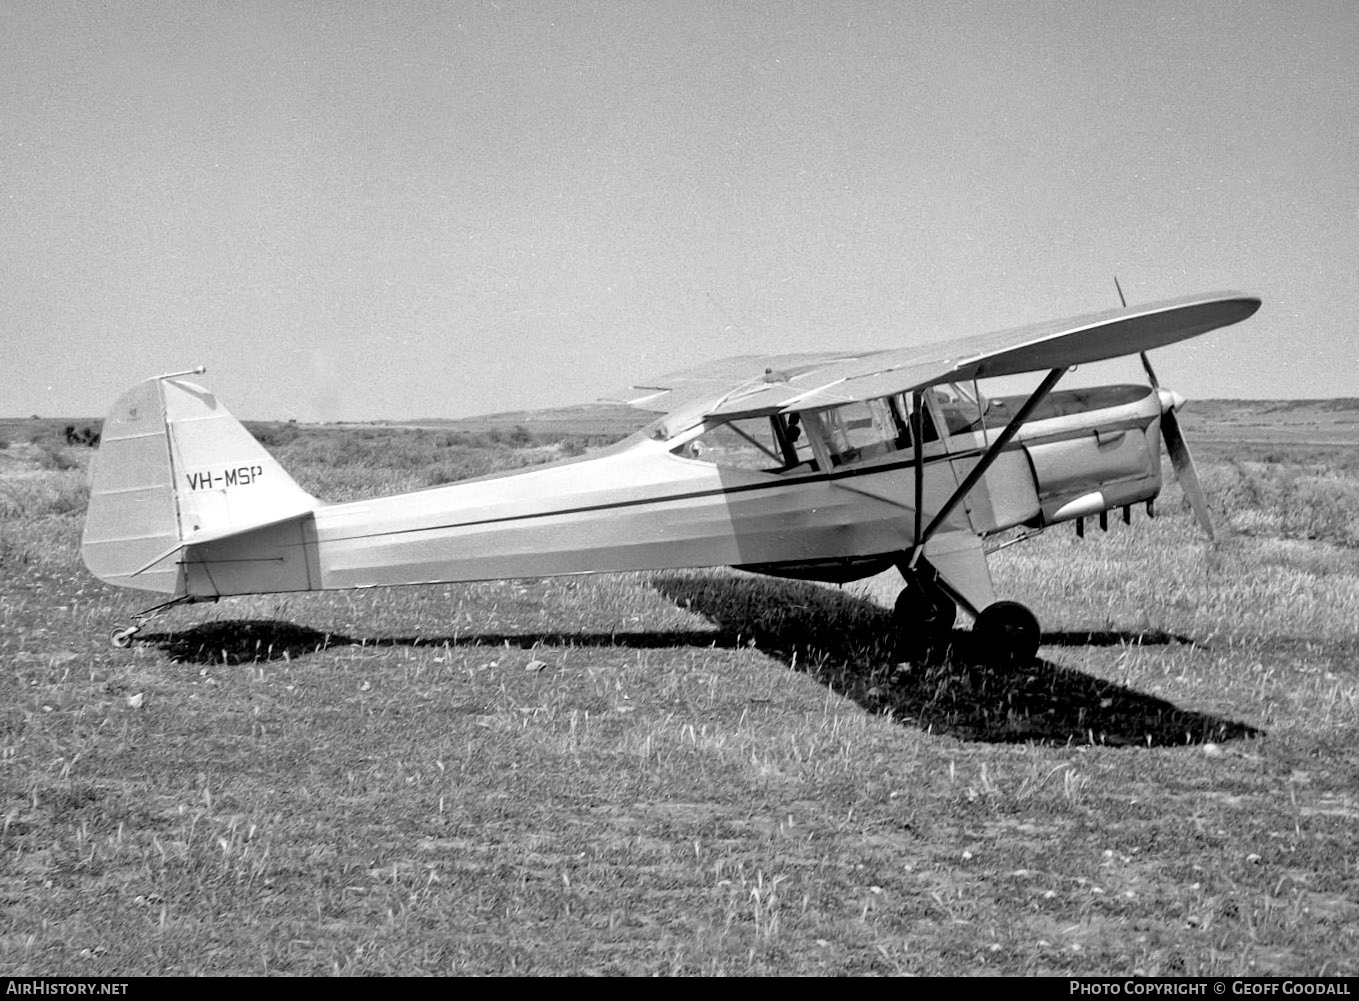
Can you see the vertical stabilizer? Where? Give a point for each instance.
(225, 481)
(174, 468)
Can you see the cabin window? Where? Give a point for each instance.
(778, 443)
(794, 441)
(747, 443)
(959, 408)
(864, 430)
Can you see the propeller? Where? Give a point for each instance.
(1185, 473)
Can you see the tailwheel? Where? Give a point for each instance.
(924, 614)
(122, 638)
(1006, 633)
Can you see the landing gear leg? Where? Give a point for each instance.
(122, 638)
(924, 614)
(1006, 633)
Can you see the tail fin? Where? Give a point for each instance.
(174, 468)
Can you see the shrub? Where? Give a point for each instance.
(1288, 500)
(87, 436)
(272, 435)
(36, 496)
(52, 456)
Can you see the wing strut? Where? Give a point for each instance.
(918, 440)
(978, 471)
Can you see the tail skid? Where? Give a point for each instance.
(176, 469)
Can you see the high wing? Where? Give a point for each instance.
(726, 379)
(807, 381)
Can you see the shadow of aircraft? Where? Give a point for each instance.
(841, 640)
(260, 641)
(845, 641)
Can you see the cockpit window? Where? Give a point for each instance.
(741, 444)
(960, 409)
(864, 430)
(867, 429)
(852, 432)
(773, 444)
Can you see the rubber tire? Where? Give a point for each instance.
(924, 614)
(1006, 632)
(122, 638)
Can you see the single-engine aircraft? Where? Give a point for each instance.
(828, 467)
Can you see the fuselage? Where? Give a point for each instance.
(652, 504)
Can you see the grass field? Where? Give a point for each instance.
(700, 772)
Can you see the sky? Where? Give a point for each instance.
(361, 210)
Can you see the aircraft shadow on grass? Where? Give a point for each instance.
(841, 640)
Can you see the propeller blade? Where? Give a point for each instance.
(1146, 364)
(1185, 473)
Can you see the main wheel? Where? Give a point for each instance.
(924, 614)
(1006, 632)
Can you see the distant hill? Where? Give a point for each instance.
(585, 420)
(1281, 422)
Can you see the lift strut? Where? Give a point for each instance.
(985, 463)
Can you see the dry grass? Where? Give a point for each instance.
(693, 773)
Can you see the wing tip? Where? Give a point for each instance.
(1247, 302)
